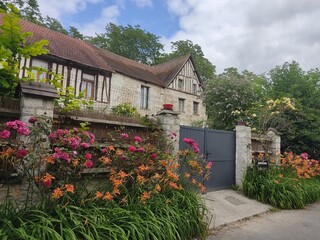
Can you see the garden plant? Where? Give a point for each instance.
(292, 184)
(74, 189)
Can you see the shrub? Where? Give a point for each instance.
(143, 194)
(125, 109)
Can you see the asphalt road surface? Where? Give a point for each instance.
(282, 225)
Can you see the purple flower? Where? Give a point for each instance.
(137, 139)
(4, 134)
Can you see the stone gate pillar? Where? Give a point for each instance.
(170, 123)
(243, 152)
(36, 99)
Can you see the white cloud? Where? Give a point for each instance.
(143, 3)
(58, 8)
(108, 14)
(251, 34)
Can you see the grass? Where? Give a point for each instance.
(280, 188)
(171, 216)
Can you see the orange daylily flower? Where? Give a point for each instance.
(157, 187)
(57, 193)
(145, 196)
(119, 152)
(105, 160)
(173, 185)
(75, 162)
(49, 159)
(122, 174)
(111, 148)
(98, 195)
(108, 196)
(143, 168)
(280, 175)
(69, 188)
(187, 175)
(47, 177)
(157, 176)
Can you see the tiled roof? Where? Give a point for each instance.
(82, 52)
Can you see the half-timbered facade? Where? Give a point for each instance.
(110, 79)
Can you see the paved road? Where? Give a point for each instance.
(284, 225)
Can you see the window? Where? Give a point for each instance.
(87, 86)
(195, 108)
(181, 105)
(194, 88)
(39, 70)
(144, 97)
(180, 84)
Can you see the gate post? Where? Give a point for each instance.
(243, 152)
(170, 123)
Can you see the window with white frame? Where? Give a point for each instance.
(181, 104)
(39, 69)
(87, 85)
(144, 103)
(195, 108)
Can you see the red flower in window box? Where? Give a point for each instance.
(168, 106)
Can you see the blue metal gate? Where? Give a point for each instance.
(219, 148)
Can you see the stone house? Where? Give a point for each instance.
(110, 79)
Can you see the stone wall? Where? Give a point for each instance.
(244, 149)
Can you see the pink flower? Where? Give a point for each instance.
(141, 150)
(75, 130)
(304, 155)
(174, 134)
(153, 156)
(88, 164)
(12, 125)
(104, 150)
(88, 156)
(132, 148)
(85, 145)
(124, 135)
(196, 150)
(188, 141)
(23, 131)
(22, 153)
(210, 164)
(92, 138)
(46, 183)
(123, 157)
(52, 135)
(4, 134)
(137, 139)
(32, 119)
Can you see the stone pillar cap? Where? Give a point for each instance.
(38, 89)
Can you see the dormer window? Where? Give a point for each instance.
(181, 84)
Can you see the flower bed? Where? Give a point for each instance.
(291, 185)
(145, 194)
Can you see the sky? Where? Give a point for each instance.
(252, 35)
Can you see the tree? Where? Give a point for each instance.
(13, 46)
(289, 80)
(131, 42)
(74, 32)
(181, 48)
(230, 97)
(54, 25)
(31, 12)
